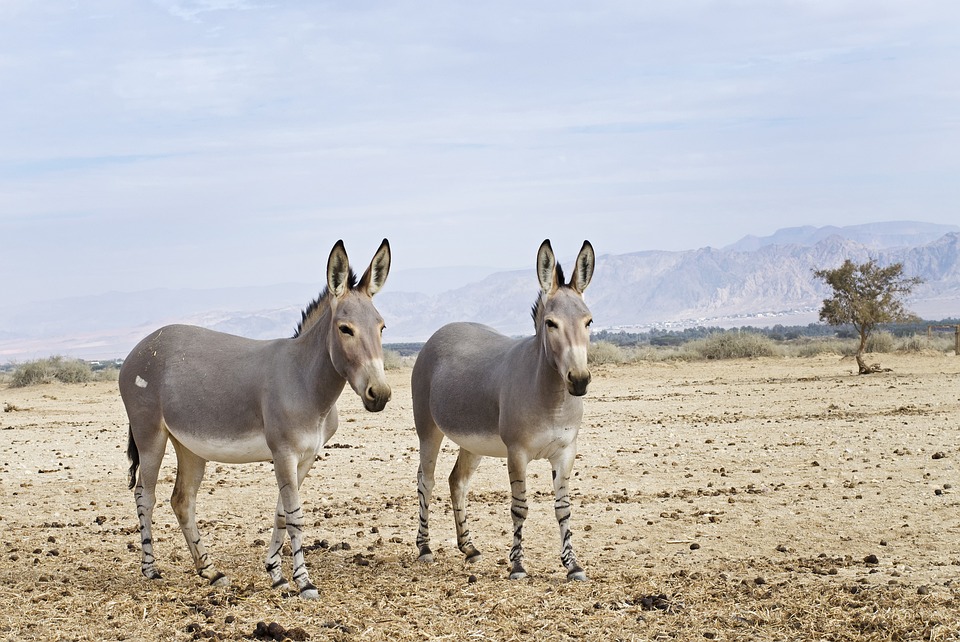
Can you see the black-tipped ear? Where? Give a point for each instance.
(338, 270)
(547, 267)
(583, 270)
(376, 274)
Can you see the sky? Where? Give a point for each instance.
(218, 143)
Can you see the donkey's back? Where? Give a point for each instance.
(195, 380)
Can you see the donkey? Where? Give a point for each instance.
(514, 398)
(230, 399)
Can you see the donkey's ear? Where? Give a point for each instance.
(547, 268)
(376, 274)
(583, 270)
(338, 270)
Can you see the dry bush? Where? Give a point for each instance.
(922, 344)
(392, 360)
(819, 346)
(881, 342)
(734, 345)
(604, 352)
(49, 370)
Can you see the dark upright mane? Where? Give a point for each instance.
(318, 306)
(537, 310)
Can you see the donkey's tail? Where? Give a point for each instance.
(133, 454)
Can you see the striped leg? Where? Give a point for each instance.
(460, 476)
(429, 449)
(562, 465)
(517, 468)
(288, 479)
(144, 494)
(184, 502)
(274, 561)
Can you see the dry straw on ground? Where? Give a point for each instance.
(763, 499)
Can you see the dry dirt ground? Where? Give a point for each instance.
(771, 499)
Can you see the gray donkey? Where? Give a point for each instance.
(514, 398)
(220, 397)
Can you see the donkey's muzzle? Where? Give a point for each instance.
(375, 398)
(577, 382)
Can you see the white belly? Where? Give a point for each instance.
(229, 451)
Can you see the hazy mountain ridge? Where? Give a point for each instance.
(770, 284)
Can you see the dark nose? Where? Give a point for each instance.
(577, 383)
(375, 397)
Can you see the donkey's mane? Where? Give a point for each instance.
(318, 306)
(537, 311)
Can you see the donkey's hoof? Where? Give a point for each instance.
(472, 554)
(152, 574)
(281, 584)
(517, 572)
(309, 592)
(426, 555)
(576, 575)
(220, 580)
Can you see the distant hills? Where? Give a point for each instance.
(756, 281)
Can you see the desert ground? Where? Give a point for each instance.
(762, 499)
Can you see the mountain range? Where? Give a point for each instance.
(756, 281)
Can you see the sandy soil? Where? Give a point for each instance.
(760, 499)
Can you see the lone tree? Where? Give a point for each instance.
(865, 296)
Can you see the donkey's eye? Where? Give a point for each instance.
(552, 324)
(347, 330)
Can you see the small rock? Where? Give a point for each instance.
(782, 549)
(472, 579)
(923, 590)
(759, 581)
(694, 546)
(871, 559)
(938, 455)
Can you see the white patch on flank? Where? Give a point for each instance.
(140, 381)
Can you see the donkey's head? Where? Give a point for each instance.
(356, 326)
(562, 318)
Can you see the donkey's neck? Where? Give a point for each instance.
(312, 361)
(549, 382)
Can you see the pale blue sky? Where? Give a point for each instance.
(228, 142)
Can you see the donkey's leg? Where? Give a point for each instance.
(460, 477)
(144, 492)
(288, 479)
(273, 561)
(562, 464)
(430, 440)
(190, 469)
(517, 468)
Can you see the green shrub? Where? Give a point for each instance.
(734, 345)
